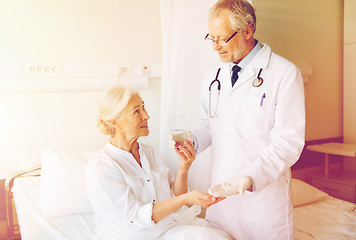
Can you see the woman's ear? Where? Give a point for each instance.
(113, 122)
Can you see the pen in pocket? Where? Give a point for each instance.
(262, 98)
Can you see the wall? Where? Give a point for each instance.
(64, 31)
(121, 31)
(309, 33)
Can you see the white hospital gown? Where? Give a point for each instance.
(122, 196)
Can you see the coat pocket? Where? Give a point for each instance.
(253, 117)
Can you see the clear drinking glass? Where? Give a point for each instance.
(179, 132)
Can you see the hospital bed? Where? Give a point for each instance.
(51, 203)
(320, 216)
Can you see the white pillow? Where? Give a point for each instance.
(63, 183)
(303, 193)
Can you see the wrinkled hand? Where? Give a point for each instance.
(186, 155)
(235, 185)
(202, 199)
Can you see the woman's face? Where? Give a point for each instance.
(133, 122)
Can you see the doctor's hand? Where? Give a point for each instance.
(235, 185)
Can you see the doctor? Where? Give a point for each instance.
(255, 127)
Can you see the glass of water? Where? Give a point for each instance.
(179, 132)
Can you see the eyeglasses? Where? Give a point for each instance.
(220, 42)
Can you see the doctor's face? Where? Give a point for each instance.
(220, 29)
(133, 122)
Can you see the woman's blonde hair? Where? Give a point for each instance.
(111, 105)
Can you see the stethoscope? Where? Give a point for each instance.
(256, 83)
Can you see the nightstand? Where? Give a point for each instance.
(340, 184)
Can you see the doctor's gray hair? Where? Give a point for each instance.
(241, 13)
(111, 105)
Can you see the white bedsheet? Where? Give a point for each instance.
(326, 219)
(34, 226)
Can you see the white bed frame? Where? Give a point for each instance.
(13, 230)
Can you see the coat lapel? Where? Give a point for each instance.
(260, 61)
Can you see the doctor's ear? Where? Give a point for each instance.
(249, 32)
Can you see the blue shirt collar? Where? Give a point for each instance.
(246, 60)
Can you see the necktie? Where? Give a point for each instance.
(234, 76)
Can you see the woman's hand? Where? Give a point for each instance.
(164, 208)
(202, 199)
(186, 154)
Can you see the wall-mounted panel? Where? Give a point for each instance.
(75, 76)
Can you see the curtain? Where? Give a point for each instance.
(186, 57)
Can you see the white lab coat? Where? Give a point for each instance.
(122, 196)
(255, 137)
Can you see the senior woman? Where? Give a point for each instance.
(131, 189)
